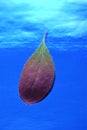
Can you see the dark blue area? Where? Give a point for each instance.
(65, 108)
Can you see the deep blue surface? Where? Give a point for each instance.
(22, 25)
(64, 108)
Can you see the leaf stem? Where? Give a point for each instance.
(44, 37)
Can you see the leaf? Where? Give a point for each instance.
(37, 76)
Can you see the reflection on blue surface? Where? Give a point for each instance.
(22, 25)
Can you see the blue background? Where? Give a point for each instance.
(22, 25)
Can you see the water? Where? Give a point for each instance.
(65, 108)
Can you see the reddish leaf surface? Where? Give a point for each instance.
(37, 76)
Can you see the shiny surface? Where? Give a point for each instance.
(22, 23)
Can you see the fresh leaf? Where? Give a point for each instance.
(37, 76)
